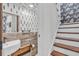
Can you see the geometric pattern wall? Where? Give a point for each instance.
(27, 17)
(69, 12)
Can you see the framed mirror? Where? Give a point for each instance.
(10, 22)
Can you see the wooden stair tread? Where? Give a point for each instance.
(67, 27)
(68, 32)
(72, 48)
(56, 53)
(69, 39)
(68, 24)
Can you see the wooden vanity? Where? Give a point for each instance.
(26, 47)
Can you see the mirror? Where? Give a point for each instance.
(10, 22)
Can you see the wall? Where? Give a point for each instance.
(27, 16)
(70, 13)
(47, 29)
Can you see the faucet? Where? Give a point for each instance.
(4, 39)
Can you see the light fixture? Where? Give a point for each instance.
(31, 5)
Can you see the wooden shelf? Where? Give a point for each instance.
(72, 48)
(22, 51)
(56, 53)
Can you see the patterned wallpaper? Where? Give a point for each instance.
(27, 16)
(69, 12)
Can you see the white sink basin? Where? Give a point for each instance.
(10, 47)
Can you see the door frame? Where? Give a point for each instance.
(0, 29)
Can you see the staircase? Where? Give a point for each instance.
(67, 40)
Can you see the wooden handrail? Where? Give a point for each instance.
(72, 48)
(56, 53)
(69, 39)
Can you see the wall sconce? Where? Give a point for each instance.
(31, 5)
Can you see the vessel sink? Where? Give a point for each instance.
(10, 47)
